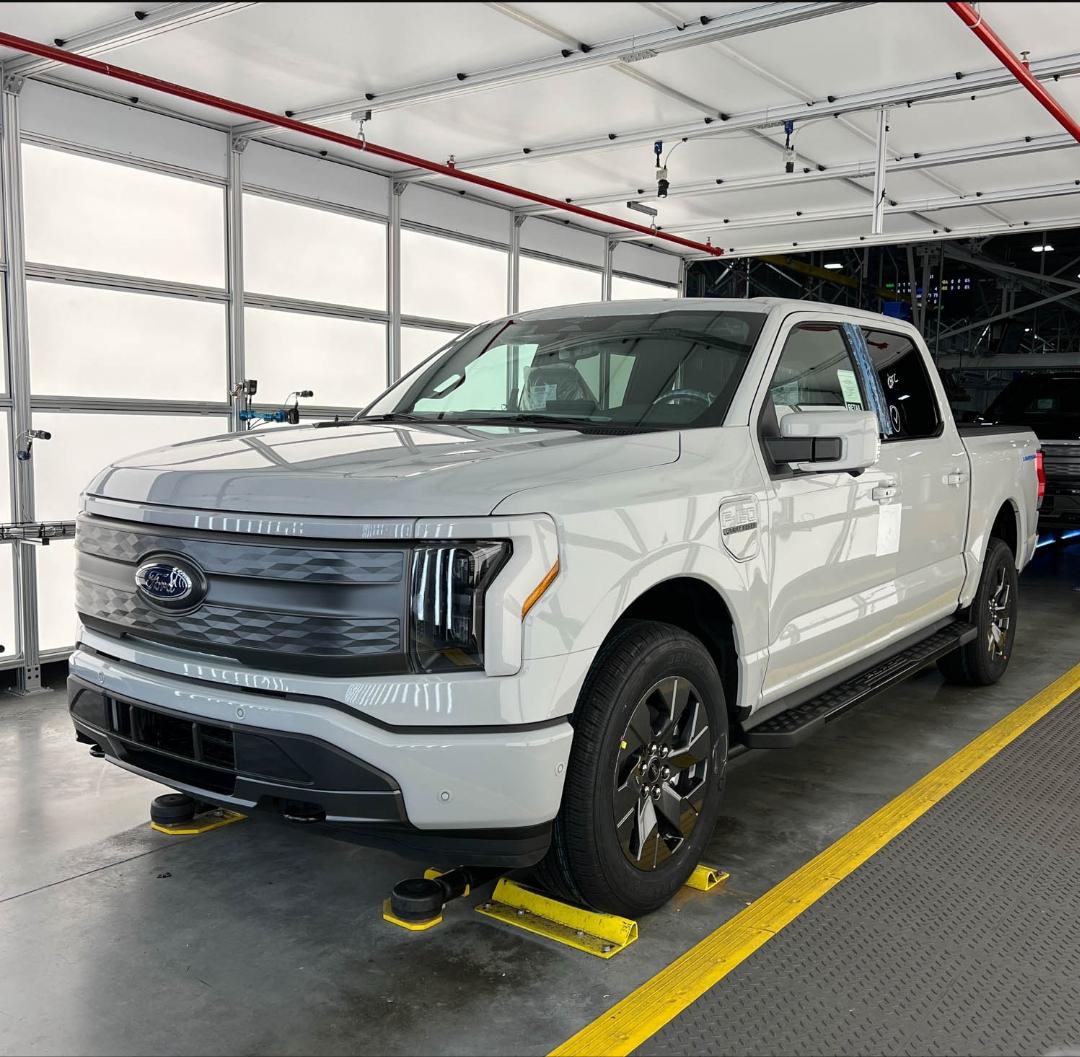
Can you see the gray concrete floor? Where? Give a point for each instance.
(259, 939)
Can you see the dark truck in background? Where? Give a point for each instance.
(1048, 403)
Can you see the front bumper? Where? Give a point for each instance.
(480, 794)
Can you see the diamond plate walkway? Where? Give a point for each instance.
(953, 930)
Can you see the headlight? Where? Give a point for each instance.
(446, 606)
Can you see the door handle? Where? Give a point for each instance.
(882, 493)
(956, 478)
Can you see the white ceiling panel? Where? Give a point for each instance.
(879, 44)
(594, 23)
(294, 56)
(1000, 115)
(46, 22)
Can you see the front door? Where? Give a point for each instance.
(832, 545)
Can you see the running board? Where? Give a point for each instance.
(797, 723)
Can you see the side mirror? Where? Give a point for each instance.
(826, 441)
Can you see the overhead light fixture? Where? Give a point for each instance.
(1027, 330)
(640, 207)
(834, 266)
(1044, 247)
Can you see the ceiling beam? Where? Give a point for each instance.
(950, 87)
(793, 218)
(582, 57)
(852, 170)
(844, 242)
(131, 29)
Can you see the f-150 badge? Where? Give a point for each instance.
(739, 527)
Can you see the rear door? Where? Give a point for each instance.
(924, 460)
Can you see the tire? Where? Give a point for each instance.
(983, 661)
(655, 674)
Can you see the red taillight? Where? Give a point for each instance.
(1040, 475)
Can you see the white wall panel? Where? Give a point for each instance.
(546, 236)
(6, 466)
(445, 279)
(623, 289)
(443, 209)
(649, 264)
(84, 213)
(318, 178)
(57, 619)
(87, 341)
(315, 254)
(7, 601)
(83, 443)
(343, 361)
(544, 284)
(62, 113)
(417, 344)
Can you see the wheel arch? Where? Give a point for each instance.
(1006, 527)
(699, 608)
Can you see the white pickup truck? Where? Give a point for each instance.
(518, 611)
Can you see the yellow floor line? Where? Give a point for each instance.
(645, 1011)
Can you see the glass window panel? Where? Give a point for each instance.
(97, 215)
(7, 601)
(418, 344)
(6, 467)
(112, 343)
(343, 361)
(544, 284)
(623, 289)
(85, 442)
(445, 279)
(299, 251)
(3, 334)
(57, 620)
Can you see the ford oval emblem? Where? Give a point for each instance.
(170, 582)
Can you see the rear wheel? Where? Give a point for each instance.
(645, 775)
(993, 612)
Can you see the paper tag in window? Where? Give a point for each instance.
(542, 395)
(888, 528)
(849, 387)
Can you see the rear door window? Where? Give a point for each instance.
(905, 383)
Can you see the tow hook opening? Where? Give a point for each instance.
(301, 812)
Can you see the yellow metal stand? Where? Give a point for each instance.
(707, 878)
(602, 935)
(412, 926)
(200, 823)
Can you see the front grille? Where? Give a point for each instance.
(284, 604)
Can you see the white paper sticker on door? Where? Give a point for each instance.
(888, 528)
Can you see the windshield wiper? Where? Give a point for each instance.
(521, 418)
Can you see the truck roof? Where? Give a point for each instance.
(765, 305)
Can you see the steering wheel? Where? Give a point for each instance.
(684, 394)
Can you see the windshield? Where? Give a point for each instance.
(673, 369)
(1048, 405)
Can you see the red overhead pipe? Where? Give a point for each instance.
(1012, 62)
(107, 69)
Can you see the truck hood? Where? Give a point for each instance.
(368, 470)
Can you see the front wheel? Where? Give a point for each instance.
(645, 775)
(993, 612)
